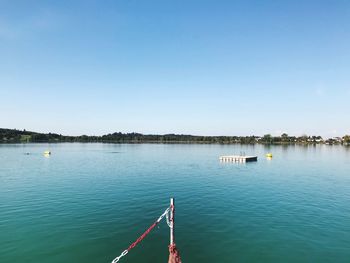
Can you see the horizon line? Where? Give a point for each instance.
(134, 132)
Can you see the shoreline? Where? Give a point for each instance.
(177, 142)
(23, 136)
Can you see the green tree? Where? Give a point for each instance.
(285, 137)
(346, 139)
(267, 138)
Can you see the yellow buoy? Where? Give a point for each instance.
(269, 155)
(47, 153)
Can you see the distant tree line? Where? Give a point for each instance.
(22, 136)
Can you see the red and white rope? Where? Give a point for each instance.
(126, 251)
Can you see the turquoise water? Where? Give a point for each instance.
(88, 202)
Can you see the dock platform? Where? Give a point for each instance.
(238, 158)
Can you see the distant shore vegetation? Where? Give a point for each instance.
(23, 136)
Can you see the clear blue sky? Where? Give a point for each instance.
(193, 67)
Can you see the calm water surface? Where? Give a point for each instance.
(88, 202)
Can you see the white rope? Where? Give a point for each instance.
(121, 255)
(170, 224)
(166, 212)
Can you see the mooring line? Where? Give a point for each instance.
(126, 251)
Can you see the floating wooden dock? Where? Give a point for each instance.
(238, 158)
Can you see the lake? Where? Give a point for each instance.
(88, 202)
